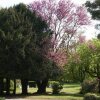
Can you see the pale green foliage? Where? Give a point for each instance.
(89, 54)
(84, 62)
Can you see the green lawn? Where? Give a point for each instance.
(69, 92)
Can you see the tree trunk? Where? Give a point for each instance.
(7, 86)
(99, 84)
(41, 84)
(1, 86)
(14, 91)
(38, 82)
(24, 83)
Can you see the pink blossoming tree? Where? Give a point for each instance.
(63, 18)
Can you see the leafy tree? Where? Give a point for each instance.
(84, 62)
(21, 33)
(94, 9)
(74, 70)
(94, 68)
(98, 36)
(88, 60)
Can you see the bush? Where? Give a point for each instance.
(91, 96)
(56, 87)
(2, 98)
(89, 86)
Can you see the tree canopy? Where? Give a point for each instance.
(21, 36)
(85, 61)
(63, 17)
(94, 9)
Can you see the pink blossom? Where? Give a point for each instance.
(59, 57)
(63, 18)
(82, 17)
(82, 39)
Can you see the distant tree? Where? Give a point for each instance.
(98, 36)
(97, 26)
(94, 9)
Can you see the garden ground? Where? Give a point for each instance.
(69, 92)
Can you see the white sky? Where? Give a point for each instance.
(90, 30)
(7, 3)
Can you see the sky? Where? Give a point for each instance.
(7, 3)
(90, 31)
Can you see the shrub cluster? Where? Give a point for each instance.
(89, 86)
(91, 96)
(56, 87)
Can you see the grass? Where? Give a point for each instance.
(69, 92)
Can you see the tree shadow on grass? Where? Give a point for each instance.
(66, 94)
(18, 96)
